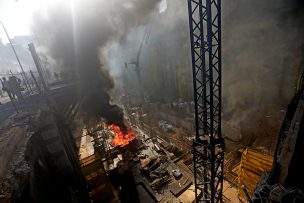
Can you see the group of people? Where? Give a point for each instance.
(12, 86)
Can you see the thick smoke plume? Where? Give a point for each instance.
(164, 61)
(262, 43)
(75, 34)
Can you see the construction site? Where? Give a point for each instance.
(139, 101)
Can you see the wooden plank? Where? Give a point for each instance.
(253, 165)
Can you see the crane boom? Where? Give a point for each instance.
(208, 147)
(136, 63)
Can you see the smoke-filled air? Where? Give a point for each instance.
(261, 59)
(75, 35)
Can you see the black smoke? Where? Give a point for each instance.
(75, 35)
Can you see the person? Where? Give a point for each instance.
(6, 87)
(14, 83)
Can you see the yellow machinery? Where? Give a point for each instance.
(253, 165)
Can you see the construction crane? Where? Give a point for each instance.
(208, 147)
(136, 61)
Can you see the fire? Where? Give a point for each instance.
(121, 139)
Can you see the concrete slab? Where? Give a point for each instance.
(230, 192)
(188, 196)
(179, 186)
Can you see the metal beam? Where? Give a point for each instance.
(208, 147)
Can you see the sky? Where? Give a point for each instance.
(16, 15)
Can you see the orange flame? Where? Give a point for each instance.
(121, 139)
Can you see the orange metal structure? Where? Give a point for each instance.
(253, 165)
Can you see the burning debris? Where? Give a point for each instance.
(121, 139)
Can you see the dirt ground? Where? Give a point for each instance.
(13, 166)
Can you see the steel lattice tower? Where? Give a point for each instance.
(208, 147)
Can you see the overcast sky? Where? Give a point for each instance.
(16, 15)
